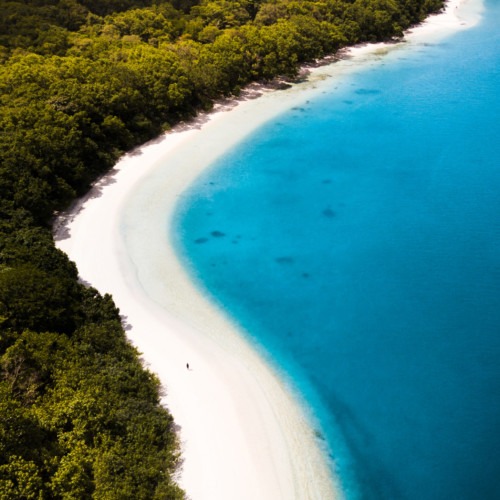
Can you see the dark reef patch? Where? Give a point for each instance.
(284, 260)
(328, 212)
(218, 234)
(368, 92)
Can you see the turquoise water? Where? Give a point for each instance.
(357, 239)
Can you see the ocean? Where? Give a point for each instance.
(356, 241)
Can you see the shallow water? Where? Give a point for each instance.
(357, 239)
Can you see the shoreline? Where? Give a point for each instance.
(244, 432)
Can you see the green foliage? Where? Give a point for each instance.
(32, 298)
(149, 25)
(20, 479)
(40, 26)
(20, 434)
(105, 7)
(83, 412)
(82, 81)
(221, 13)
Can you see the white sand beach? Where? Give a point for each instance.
(244, 432)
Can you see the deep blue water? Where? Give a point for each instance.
(358, 240)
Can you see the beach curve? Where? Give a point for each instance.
(244, 432)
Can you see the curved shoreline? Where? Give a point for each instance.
(243, 434)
